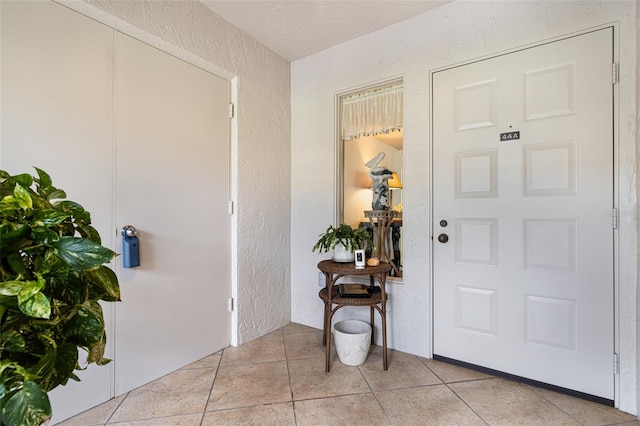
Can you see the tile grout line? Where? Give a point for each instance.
(532, 389)
(454, 392)
(465, 403)
(317, 398)
(116, 409)
(376, 397)
(286, 360)
(211, 388)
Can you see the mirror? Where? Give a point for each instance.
(369, 122)
(356, 184)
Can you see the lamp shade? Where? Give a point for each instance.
(395, 182)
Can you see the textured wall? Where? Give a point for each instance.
(261, 142)
(454, 33)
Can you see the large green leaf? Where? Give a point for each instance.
(23, 179)
(80, 253)
(105, 279)
(33, 303)
(9, 292)
(27, 406)
(96, 350)
(49, 217)
(37, 306)
(56, 193)
(11, 288)
(22, 197)
(96, 353)
(44, 179)
(66, 362)
(29, 288)
(86, 327)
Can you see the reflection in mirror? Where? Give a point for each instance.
(359, 145)
(357, 192)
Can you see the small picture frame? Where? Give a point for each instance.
(360, 260)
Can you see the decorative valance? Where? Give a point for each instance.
(372, 112)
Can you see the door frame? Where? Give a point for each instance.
(623, 361)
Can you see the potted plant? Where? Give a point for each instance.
(343, 240)
(52, 277)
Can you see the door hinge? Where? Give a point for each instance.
(616, 364)
(614, 218)
(230, 209)
(230, 304)
(232, 111)
(614, 73)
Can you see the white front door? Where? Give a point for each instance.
(523, 190)
(172, 184)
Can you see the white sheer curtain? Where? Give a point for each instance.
(372, 112)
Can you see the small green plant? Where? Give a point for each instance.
(52, 278)
(351, 239)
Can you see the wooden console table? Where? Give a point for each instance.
(333, 301)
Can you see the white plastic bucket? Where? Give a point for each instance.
(353, 340)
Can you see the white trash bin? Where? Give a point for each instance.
(353, 340)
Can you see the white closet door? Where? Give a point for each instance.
(172, 184)
(171, 176)
(56, 97)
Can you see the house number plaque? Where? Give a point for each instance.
(509, 136)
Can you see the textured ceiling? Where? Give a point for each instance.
(298, 28)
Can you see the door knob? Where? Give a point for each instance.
(443, 238)
(129, 231)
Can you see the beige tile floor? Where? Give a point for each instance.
(279, 379)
